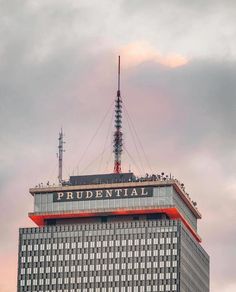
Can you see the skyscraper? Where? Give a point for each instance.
(112, 232)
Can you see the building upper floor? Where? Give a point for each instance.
(114, 195)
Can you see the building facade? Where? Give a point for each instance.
(113, 233)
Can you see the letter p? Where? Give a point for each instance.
(59, 196)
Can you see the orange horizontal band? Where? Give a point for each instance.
(172, 212)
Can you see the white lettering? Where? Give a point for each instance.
(69, 196)
(126, 193)
(79, 195)
(99, 194)
(118, 192)
(142, 193)
(59, 196)
(134, 193)
(89, 194)
(108, 193)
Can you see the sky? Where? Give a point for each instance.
(58, 68)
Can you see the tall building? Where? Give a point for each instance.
(112, 232)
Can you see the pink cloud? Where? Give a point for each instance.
(139, 52)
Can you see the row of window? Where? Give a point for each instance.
(160, 226)
(107, 250)
(77, 236)
(144, 250)
(99, 262)
(113, 258)
(106, 278)
(102, 273)
(118, 266)
(92, 244)
(97, 282)
(143, 288)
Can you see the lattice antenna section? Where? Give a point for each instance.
(117, 142)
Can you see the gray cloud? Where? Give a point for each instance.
(193, 28)
(199, 96)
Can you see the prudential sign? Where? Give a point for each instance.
(102, 194)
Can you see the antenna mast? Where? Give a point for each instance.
(117, 142)
(60, 156)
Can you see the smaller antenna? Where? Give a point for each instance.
(60, 155)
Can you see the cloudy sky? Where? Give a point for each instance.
(58, 62)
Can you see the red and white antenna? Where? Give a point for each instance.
(117, 142)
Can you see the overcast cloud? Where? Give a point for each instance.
(58, 68)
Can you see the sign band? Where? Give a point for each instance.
(102, 194)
